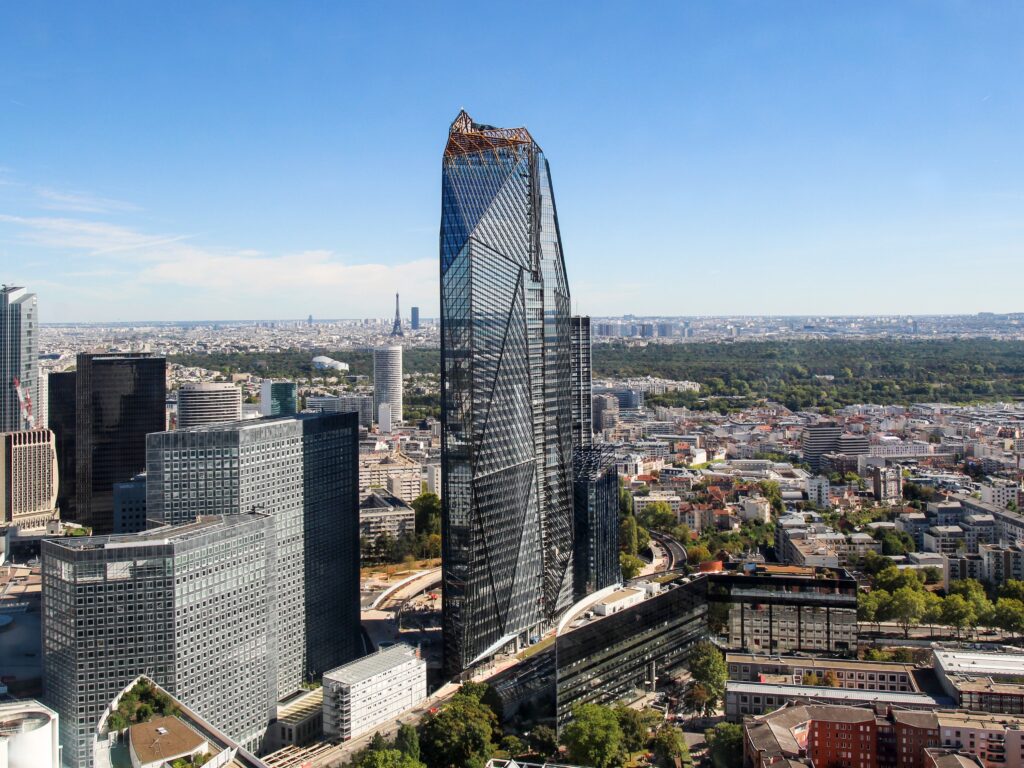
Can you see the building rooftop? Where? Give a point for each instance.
(834, 694)
(372, 665)
(979, 663)
(162, 739)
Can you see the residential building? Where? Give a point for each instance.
(387, 381)
(506, 386)
(115, 607)
(851, 674)
(120, 398)
(302, 470)
(978, 529)
(755, 509)
(596, 512)
(887, 484)
(381, 512)
(19, 358)
(208, 403)
(606, 412)
(945, 539)
(28, 478)
(394, 472)
(279, 398)
(371, 692)
(29, 735)
(674, 502)
(915, 524)
(1001, 493)
(1000, 563)
(818, 491)
(582, 382)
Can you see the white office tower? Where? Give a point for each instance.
(208, 403)
(384, 418)
(372, 691)
(387, 381)
(42, 404)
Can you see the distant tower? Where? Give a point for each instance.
(396, 329)
(415, 319)
(309, 320)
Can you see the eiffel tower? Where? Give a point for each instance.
(396, 329)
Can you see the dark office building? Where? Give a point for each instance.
(608, 658)
(61, 404)
(596, 510)
(582, 383)
(120, 398)
(415, 324)
(506, 383)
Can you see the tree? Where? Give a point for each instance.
(973, 591)
(896, 543)
(513, 745)
(695, 698)
(594, 737)
(633, 725)
(707, 665)
(957, 612)
(657, 516)
(459, 736)
(669, 744)
(1009, 614)
(725, 745)
(385, 758)
(543, 740)
(428, 513)
(407, 741)
(628, 536)
(872, 563)
(697, 553)
(906, 608)
(486, 694)
(378, 743)
(630, 565)
(1013, 588)
(932, 575)
(643, 538)
(871, 606)
(892, 578)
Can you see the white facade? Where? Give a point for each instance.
(384, 418)
(818, 489)
(372, 691)
(1002, 493)
(208, 403)
(28, 735)
(28, 477)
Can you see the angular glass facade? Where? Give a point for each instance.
(596, 501)
(19, 359)
(506, 393)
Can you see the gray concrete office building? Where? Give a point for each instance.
(191, 607)
(302, 470)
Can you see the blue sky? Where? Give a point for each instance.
(270, 160)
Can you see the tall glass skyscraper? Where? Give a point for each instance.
(506, 394)
(19, 358)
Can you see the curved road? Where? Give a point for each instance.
(676, 551)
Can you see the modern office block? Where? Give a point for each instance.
(279, 398)
(120, 398)
(41, 405)
(361, 404)
(387, 381)
(61, 416)
(382, 512)
(130, 505)
(302, 470)
(192, 607)
(415, 319)
(606, 412)
(582, 383)
(371, 692)
(506, 394)
(29, 735)
(818, 439)
(208, 403)
(28, 477)
(19, 358)
(596, 504)
(384, 418)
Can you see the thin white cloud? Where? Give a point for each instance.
(96, 237)
(80, 202)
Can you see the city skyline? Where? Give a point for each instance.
(801, 150)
